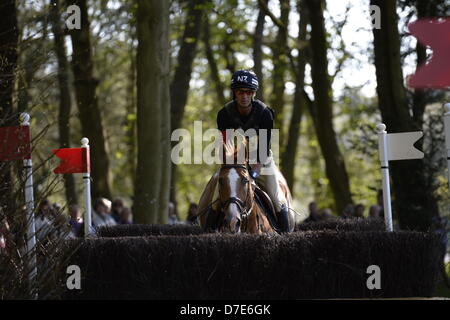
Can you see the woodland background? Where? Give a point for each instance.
(136, 70)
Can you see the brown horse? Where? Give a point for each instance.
(238, 208)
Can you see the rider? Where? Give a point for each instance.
(244, 112)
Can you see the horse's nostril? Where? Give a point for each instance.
(237, 226)
(233, 224)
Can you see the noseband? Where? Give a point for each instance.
(240, 204)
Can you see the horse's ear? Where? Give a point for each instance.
(228, 147)
(235, 147)
(241, 149)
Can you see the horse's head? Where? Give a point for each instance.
(235, 188)
(235, 195)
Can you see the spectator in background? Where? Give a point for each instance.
(102, 213)
(192, 214)
(172, 218)
(325, 214)
(44, 208)
(377, 211)
(75, 221)
(56, 210)
(126, 216)
(43, 220)
(374, 212)
(116, 209)
(313, 212)
(349, 211)
(59, 219)
(359, 210)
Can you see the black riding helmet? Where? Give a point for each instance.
(244, 79)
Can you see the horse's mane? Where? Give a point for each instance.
(236, 148)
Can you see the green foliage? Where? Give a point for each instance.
(356, 120)
(231, 27)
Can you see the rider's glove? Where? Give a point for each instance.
(254, 174)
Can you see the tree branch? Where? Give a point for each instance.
(275, 20)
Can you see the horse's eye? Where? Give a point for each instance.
(220, 181)
(244, 180)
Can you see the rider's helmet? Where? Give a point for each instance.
(244, 79)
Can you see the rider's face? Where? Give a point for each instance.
(244, 97)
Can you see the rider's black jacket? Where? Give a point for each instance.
(260, 117)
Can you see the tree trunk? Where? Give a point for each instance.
(180, 84)
(130, 132)
(228, 55)
(257, 51)
(9, 37)
(214, 70)
(334, 162)
(279, 60)
(290, 151)
(64, 94)
(152, 107)
(89, 112)
(164, 193)
(29, 65)
(413, 204)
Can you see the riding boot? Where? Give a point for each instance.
(212, 219)
(283, 219)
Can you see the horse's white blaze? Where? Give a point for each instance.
(233, 208)
(233, 176)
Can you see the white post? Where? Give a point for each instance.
(87, 195)
(29, 203)
(384, 160)
(447, 137)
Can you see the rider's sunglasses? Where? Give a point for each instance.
(246, 92)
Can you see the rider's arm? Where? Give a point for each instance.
(222, 122)
(266, 123)
(222, 125)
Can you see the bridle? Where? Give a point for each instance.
(243, 211)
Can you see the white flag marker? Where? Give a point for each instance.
(394, 146)
(29, 205)
(447, 137)
(401, 146)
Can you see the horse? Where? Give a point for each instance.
(238, 209)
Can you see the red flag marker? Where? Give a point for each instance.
(435, 73)
(15, 143)
(73, 160)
